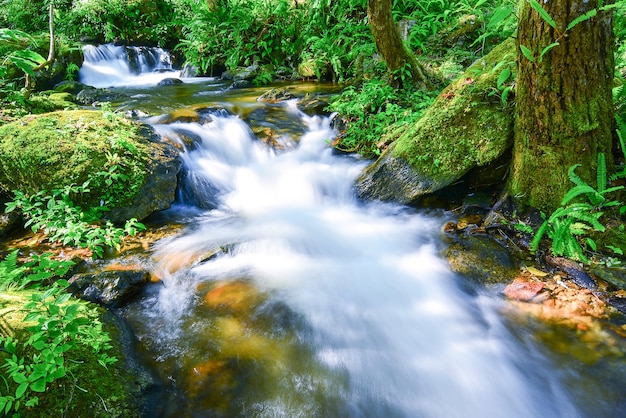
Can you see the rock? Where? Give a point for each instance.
(170, 81)
(248, 73)
(466, 127)
(574, 271)
(109, 288)
(234, 297)
(276, 95)
(158, 191)
(481, 260)
(72, 87)
(240, 84)
(615, 276)
(189, 71)
(523, 289)
(312, 106)
(55, 150)
(91, 96)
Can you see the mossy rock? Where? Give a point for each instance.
(466, 127)
(118, 157)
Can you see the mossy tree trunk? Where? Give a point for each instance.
(564, 110)
(390, 45)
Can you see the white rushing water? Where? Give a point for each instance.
(383, 308)
(111, 65)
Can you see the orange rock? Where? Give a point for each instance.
(233, 296)
(522, 289)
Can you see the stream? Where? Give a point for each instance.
(282, 295)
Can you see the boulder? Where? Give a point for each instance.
(466, 127)
(170, 81)
(189, 71)
(124, 161)
(109, 288)
(91, 96)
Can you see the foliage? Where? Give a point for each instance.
(62, 220)
(371, 110)
(243, 33)
(57, 325)
(576, 219)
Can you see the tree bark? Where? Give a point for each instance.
(390, 45)
(564, 113)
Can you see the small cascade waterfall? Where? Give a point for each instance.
(111, 65)
(361, 317)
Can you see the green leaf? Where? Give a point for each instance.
(546, 49)
(21, 389)
(527, 53)
(38, 385)
(591, 13)
(504, 76)
(499, 15)
(542, 12)
(19, 378)
(577, 191)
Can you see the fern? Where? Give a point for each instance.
(10, 273)
(575, 219)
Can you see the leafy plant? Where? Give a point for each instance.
(573, 220)
(59, 324)
(62, 220)
(371, 110)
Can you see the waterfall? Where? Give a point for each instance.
(376, 325)
(110, 65)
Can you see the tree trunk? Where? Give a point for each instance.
(51, 49)
(390, 45)
(564, 108)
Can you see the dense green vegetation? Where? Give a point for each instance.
(314, 39)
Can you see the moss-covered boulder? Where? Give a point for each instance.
(126, 165)
(466, 127)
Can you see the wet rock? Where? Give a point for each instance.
(523, 289)
(574, 271)
(234, 297)
(481, 260)
(92, 96)
(109, 288)
(276, 95)
(171, 262)
(189, 71)
(240, 84)
(615, 276)
(158, 191)
(170, 81)
(312, 106)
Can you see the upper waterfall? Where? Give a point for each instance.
(110, 65)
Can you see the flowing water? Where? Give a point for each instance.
(284, 296)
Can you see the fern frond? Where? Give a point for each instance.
(591, 218)
(575, 178)
(582, 189)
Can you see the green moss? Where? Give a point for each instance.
(53, 150)
(466, 126)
